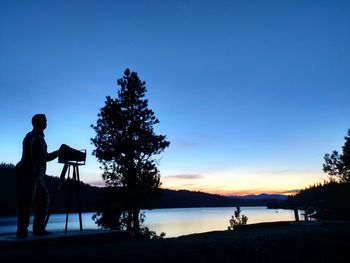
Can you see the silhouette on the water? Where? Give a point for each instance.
(30, 173)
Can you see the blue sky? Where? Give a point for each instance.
(251, 94)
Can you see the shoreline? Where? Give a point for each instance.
(263, 242)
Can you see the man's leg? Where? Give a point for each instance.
(25, 196)
(41, 200)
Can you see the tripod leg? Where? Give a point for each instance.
(66, 227)
(63, 174)
(77, 182)
(68, 202)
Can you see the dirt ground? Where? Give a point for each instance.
(254, 243)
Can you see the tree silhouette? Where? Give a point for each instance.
(338, 165)
(237, 220)
(126, 146)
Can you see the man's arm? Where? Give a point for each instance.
(52, 156)
(55, 154)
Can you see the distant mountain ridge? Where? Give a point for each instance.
(261, 197)
(185, 198)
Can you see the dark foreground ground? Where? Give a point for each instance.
(277, 242)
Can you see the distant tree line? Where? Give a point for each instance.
(329, 200)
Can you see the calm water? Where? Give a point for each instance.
(174, 222)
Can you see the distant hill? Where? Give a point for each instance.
(91, 197)
(261, 197)
(185, 198)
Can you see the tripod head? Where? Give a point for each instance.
(70, 155)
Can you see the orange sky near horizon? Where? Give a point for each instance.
(244, 183)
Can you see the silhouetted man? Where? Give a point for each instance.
(30, 172)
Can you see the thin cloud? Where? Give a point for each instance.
(285, 171)
(185, 176)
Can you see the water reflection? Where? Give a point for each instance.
(57, 222)
(174, 222)
(183, 221)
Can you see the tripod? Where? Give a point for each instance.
(67, 168)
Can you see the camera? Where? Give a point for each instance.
(70, 155)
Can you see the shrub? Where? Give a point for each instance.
(237, 219)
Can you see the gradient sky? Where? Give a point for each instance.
(251, 94)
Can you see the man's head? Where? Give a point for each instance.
(39, 121)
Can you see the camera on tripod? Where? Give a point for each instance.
(72, 159)
(70, 155)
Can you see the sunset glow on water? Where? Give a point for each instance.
(174, 222)
(184, 221)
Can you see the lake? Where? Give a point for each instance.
(174, 222)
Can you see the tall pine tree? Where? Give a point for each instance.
(126, 145)
(338, 165)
